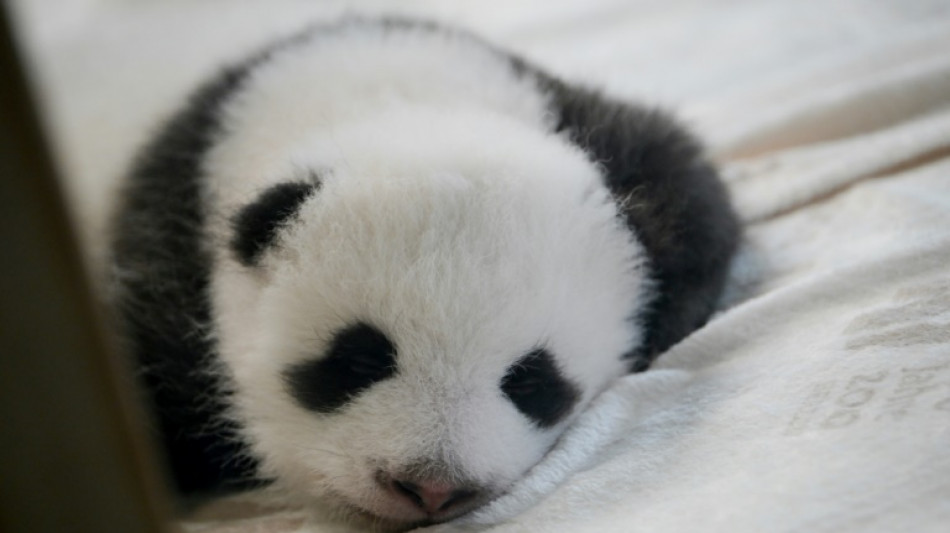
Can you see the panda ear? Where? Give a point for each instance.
(671, 198)
(256, 225)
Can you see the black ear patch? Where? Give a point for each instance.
(359, 356)
(257, 223)
(538, 389)
(671, 198)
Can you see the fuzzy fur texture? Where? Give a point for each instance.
(470, 208)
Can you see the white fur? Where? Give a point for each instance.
(449, 217)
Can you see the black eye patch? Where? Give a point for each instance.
(359, 356)
(538, 389)
(256, 224)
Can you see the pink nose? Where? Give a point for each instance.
(433, 497)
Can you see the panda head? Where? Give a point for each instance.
(413, 316)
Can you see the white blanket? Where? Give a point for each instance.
(819, 398)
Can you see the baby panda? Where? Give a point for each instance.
(383, 265)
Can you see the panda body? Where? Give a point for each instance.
(383, 265)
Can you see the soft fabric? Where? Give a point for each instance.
(819, 398)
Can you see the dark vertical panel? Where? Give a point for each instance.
(71, 458)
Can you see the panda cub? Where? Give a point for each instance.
(382, 265)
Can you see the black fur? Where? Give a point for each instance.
(160, 280)
(539, 390)
(671, 198)
(161, 276)
(256, 225)
(359, 356)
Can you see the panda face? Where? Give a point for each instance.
(409, 331)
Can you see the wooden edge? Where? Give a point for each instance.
(73, 451)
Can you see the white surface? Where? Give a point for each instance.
(820, 400)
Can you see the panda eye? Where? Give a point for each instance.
(369, 363)
(359, 356)
(538, 389)
(520, 384)
(364, 350)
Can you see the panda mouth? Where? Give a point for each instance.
(388, 523)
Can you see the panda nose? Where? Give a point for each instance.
(433, 497)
